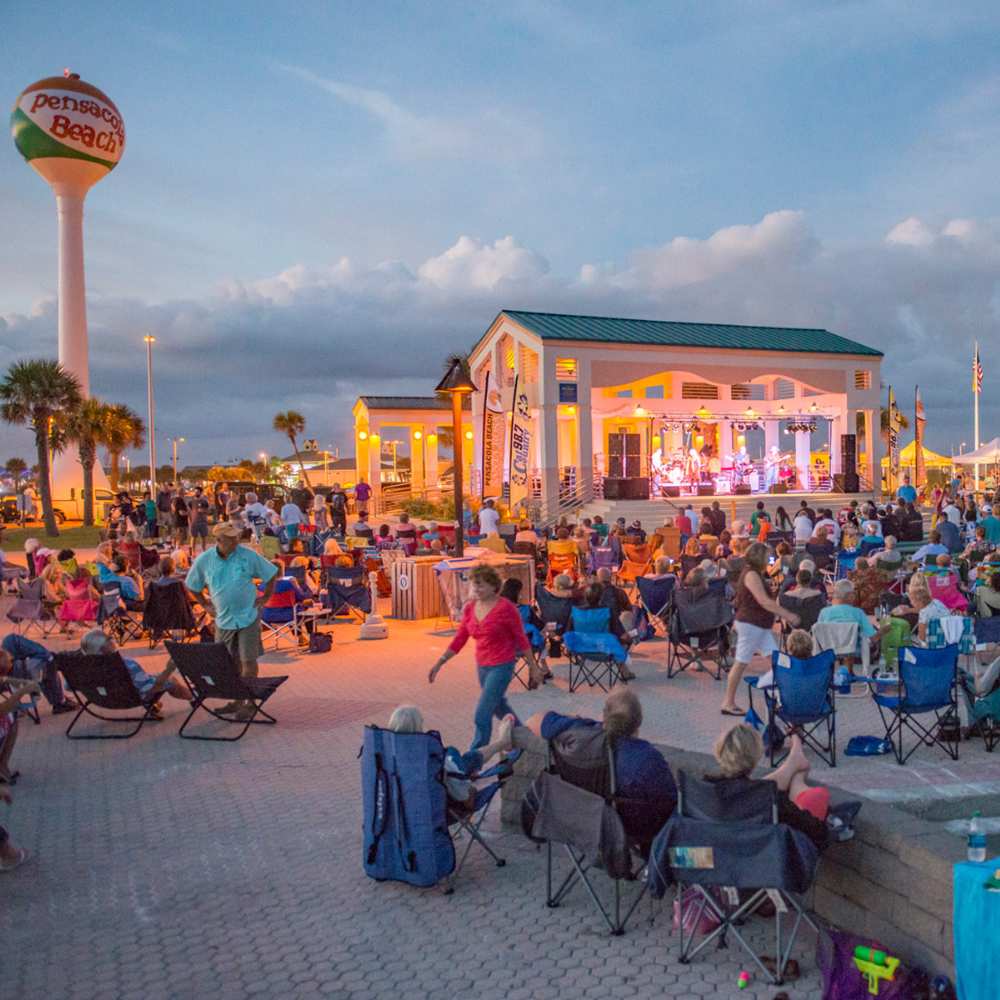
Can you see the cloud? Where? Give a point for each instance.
(314, 337)
(490, 132)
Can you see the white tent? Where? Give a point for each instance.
(985, 454)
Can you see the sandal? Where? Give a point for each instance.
(22, 856)
(790, 973)
(737, 711)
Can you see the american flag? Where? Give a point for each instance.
(977, 373)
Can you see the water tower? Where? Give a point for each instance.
(72, 134)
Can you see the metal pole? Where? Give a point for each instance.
(975, 396)
(173, 442)
(150, 408)
(456, 426)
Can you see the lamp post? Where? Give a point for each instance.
(150, 407)
(458, 385)
(174, 442)
(267, 469)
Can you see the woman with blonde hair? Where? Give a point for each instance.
(756, 610)
(495, 625)
(801, 806)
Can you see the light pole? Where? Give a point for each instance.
(394, 445)
(150, 407)
(458, 385)
(174, 442)
(267, 468)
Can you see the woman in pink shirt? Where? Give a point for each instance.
(495, 624)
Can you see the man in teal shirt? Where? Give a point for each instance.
(229, 572)
(991, 525)
(906, 492)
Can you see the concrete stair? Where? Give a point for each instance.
(652, 513)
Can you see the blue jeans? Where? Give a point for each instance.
(33, 661)
(493, 682)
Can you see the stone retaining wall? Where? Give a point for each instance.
(893, 882)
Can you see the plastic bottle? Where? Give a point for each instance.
(977, 838)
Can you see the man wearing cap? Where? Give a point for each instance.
(229, 571)
(990, 524)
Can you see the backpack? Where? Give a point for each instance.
(320, 642)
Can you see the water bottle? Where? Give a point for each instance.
(977, 838)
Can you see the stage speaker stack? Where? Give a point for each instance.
(779, 488)
(706, 489)
(847, 481)
(671, 491)
(742, 489)
(626, 489)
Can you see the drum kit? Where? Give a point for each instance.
(691, 468)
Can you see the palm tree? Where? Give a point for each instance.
(85, 426)
(123, 429)
(16, 468)
(292, 424)
(34, 393)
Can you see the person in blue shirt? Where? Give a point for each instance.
(843, 609)
(932, 548)
(906, 492)
(642, 775)
(951, 535)
(229, 572)
(128, 585)
(991, 525)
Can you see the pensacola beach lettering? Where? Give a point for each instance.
(77, 120)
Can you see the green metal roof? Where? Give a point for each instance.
(611, 330)
(410, 402)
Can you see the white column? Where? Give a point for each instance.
(584, 428)
(871, 444)
(548, 454)
(431, 453)
(375, 461)
(836, 429)
(802, 458)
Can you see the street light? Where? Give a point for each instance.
(150, 340)
(267, 468)
(458, 385)
(174, 442)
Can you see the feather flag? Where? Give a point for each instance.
(919, 419)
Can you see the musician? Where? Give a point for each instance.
(772, 464)
(694, 467)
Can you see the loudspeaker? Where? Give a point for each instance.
(742, 489)
(623, 456)
(706, 489)
(848, 453)
(846, 482)
(626, 489)
(779, 488)
(671, 491)
(616, 450)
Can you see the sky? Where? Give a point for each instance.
(319, 200)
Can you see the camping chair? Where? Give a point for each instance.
(982, 701)
(574, 802)
(465, 818)
(698, 627)
(114, 617)
(846, 558)
(29, 610)
(928, 680)
(844, 639)
(168, 612)
(278, 630)
(525, 549)
(555, 611)
(297, 573)
(869, 545)
(562, 562)
(595, 654)
(807, 608)
(212, 673)
(347, 591)
(655, 596)
(636, 561)
(103, 680)
(717, 843)
(603, 557)
(535, 638)
(803, 696)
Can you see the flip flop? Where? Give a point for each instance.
(23, 855)
(734, 712)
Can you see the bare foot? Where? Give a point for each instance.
(796, 755)
(506, 732)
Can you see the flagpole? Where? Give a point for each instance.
(975, 421)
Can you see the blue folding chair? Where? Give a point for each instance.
(603, 557)
(595, 655)
(928, 684)
(803, 697)
(535, 638)
(846, 559)
(655, 596)
(347, 591)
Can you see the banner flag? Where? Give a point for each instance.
(494, 439)
(520, 447)
(919, 419)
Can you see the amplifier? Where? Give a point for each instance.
(779, 488)
(626, 489)
(743, 489)
(846, 482)
(706, 489)
(671, 491)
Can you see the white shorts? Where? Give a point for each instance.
(751, 639)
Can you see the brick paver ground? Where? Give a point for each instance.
(167, 868)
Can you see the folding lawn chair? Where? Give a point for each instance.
(103, 680)
(698, 627)
(982, 701)
(718, 843)
(803, 696)
(655, 596)
(595, 654)
(212, 673)
(277, 630)
(29, 610)
(927, 684)
(535, 638)
(562, 562)
(168, 612)
(347, 591)
(554, 611)
(846, 642)
(574, 802)
(114, 617)
(807, 608)
(603, 557)
(636, 561)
